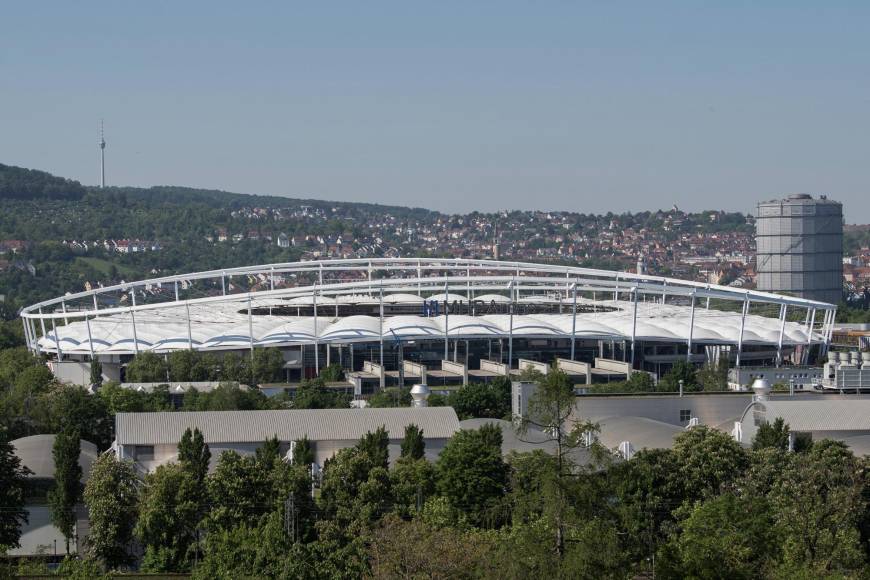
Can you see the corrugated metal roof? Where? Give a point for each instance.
(36, 453)
(820, 415)
(167, 428)
(642, 432)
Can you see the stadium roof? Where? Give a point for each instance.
(222, 326)
(167, 428)
(199, 310)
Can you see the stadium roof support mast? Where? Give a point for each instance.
(102, 157)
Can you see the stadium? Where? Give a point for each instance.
(383, 318)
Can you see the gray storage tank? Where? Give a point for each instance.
(800, 247)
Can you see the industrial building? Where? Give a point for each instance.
(845, 419)
(438, 320)
(799, 243)
(39, 536)
(151, 439)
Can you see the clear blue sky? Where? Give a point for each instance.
(588, 106)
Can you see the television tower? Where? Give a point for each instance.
(102, 157)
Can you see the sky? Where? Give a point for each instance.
(450, 105)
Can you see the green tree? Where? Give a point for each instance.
(194, 454)
(480, 400)
(376, 446)
(314, 395)
(471, 474)
(234, 367)
(706, 460)
(250, 551)
(67, 406)
(303, 454)
(168, 519)
(181, 364)
(391, 397)
(147, 367)
(818, 503)
(96, 373)
(725, 537)
(238, 489)
(438, 552)
(67, 491)
(412, 481)
(773, 435)
(646, 492)
(549, 413)
(226, 397)
(332, 373)
(681, 371)
(413, 445)
(268, 365)
(194, 457)
(13, 482)
(714, 377)
(111, 496)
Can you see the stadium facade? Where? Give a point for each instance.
(427, 310)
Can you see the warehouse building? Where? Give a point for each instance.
(151, 439)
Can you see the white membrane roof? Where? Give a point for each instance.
(226, 325)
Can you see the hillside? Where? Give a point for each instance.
(30, 184)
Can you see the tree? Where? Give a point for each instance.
(226, 397)
(646, 494)
(111, 496)
(168, 519)
(96, 373)
(818, 502)
(314, 395)
(471, 473)
(714, 377)
(376, 446)
(234, 367)
(412, 481)
(181, 364)
(706, 460)
(681, 371)
(413, 445)
(727, 536)
(67, 490)
(268, 453)
(238, 491)
(550, 410)
(194, 454)
(303, 454)
(147, 367)
(391, 397)
(480, 400)
(249, 551)
(268, 365)
(68, 406)
(332, 373)
(773, 435)
(13, 482)
(438, 553)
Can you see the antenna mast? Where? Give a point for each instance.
(102, 157)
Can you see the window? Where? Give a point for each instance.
(685, 415)
(144, 452)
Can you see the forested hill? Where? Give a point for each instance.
(161, 211)
(30, 184)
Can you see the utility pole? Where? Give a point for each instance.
(290, 521)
